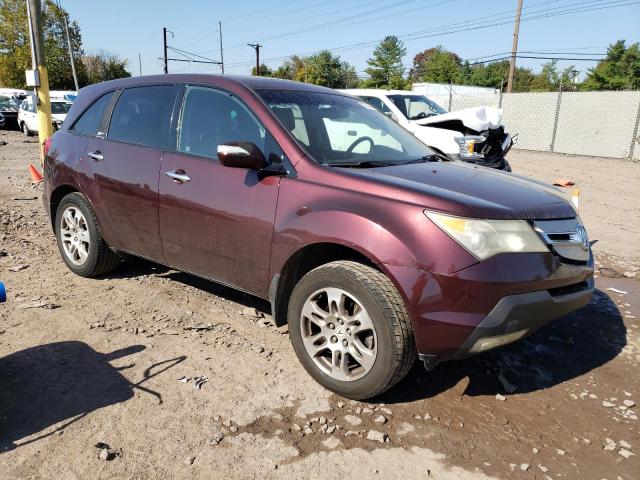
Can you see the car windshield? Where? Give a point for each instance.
(6, 102)
(342, 131)
(60, 107)
(416, 107)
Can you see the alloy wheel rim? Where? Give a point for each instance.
(338, 334)
(74, 234)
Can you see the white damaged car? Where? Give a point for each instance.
(473, 135)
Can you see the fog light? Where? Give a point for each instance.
(487, 343)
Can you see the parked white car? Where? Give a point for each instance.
(474, 135)
(28, 116)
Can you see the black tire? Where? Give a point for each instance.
(396, 350)
(100, 259)
(25, 130)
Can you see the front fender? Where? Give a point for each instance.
(440, 138)
(383, 228)
(305, 226)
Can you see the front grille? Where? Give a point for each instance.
(492, 146)
(566, 238)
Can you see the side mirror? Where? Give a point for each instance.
(241, 155)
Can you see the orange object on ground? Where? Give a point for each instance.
(36, 177)
(563, 183)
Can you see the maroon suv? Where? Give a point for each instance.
(370, 248)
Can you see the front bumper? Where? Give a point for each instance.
(493, 151)
(516, 316)
(502, 295)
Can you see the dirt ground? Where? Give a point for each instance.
(118, 361)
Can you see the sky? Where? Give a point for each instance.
(474, 30)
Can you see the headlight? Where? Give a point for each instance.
(485, 238)
(468, 144)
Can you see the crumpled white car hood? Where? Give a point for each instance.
(475, 118)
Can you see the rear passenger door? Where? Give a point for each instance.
(123, 168)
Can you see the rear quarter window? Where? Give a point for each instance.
(142, 116)
(89, 122)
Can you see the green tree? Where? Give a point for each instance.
(327, 70)
(56, 51)
(548, 79)
(264, 71)
(385, 67)
(15, 49)
(437, 65)
(103, 66)
(15, 54)
(620, 69)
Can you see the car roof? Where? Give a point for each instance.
(378, 92)
(251, 82)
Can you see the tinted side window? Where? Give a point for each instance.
(142, 116)
(211, 117)
(89, 122)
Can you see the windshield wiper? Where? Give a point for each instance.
(424, 159)
(364, 164)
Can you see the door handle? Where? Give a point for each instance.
(97, 155)
(178, 176)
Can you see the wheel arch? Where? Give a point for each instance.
(301, 262)
(56, 197)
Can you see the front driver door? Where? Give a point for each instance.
(217, 221)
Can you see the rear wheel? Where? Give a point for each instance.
(350, 329)
(79, 240)
(25, 129)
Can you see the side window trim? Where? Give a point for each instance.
(218, 90)
(178, 113)
(71, 128)
(168, 147)
(106, 118)
(176, 118)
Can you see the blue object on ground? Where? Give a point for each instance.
(3, 293)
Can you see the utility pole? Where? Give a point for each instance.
(73, 65)
(514, 48)
(221, 52)
(164, 36)
(140, 64)
(45, 128)
(256, 47)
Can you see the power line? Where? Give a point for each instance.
(334, 22)
(442, 30)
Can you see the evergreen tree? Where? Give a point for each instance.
(385, 67)
(620, 70)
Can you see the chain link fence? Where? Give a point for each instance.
(601, 124)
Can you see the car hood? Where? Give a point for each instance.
(59, 116)
(473, 191)
(477, 118)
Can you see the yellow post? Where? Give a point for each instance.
(43, 102)
(45, 127)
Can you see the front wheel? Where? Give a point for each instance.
(350, 329)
